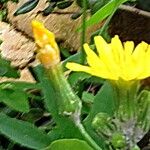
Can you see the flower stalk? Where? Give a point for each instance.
(48, 54)
(68, 102)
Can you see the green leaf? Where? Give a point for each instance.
(64, 51)
(17, 100)
(103, 102)
(19, 85)
(75, 77)
(104, 12)
(23, 133)
(15, 96)
(69, 144)
(97, 5)
(95, 80)
(7, 70)
(88, 97)
(73, 58)
(33, 115)
(26, 7)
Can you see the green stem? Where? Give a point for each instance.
(83, 30)
(68, 102)
(87, 137)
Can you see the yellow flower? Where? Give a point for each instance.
(48, 52)
(115, 60)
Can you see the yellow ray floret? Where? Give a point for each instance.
(116, 60)
(48, 52)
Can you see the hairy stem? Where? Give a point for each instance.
(87, 136)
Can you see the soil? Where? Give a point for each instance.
(130, 26)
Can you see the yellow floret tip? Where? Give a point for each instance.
(116, 60)
(48, 51)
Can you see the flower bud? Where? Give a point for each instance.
(48, 52)
(118, 140)
(102, 123)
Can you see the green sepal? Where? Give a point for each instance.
(68, 102)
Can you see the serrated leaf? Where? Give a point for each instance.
(69, 144)
(23, 133)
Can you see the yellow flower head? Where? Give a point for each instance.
(48, 52)
(115, 60)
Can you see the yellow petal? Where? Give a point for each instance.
(90, 70)
(92, 59)
(139, 56)
(106, 55)
(140, 50)
(117, 50)
(127, 65)
(78, 67)
(115, 61)
(146, 65)
(100, 44)
(42, 35)
(128, 49)
(48, 53)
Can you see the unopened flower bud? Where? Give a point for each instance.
(48, 52)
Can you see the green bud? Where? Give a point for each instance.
(67, 101)
(102, 123)
(118, 140)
